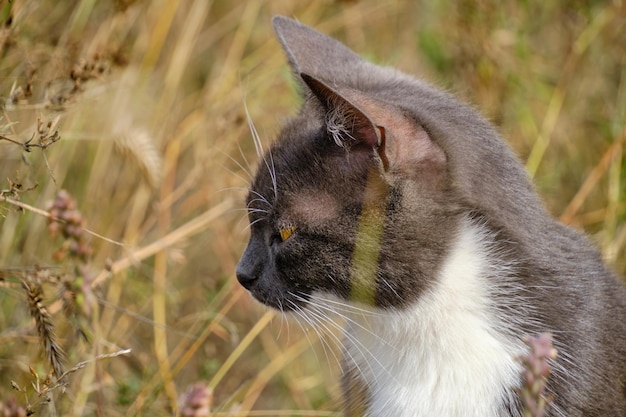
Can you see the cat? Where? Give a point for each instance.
(395, 207)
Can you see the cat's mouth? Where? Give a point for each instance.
(271, 294)
(285, 302)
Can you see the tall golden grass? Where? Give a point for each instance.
(149, 101)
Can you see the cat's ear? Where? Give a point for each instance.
(348, 125)
(362, 123)
(312, 52)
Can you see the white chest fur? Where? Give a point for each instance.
(445, 356)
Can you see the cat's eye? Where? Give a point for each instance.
(286, 232)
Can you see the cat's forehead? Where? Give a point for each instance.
(315, 207)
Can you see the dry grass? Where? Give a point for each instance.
(147, 98)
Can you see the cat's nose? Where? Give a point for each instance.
(245, 278)
(250, 265)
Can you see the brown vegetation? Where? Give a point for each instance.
(125, 153)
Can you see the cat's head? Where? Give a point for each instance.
(361, 194)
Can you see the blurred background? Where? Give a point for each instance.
(127, 119)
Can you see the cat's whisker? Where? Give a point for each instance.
(317, 310)
(255, 134)
(248, 207)
(320, 317)
(252, 223)
(260, 152)
(247, 171)
(350, 320)
(283, 320)
(248, 168)
(320, 322)
(282, 311)
(263, 214)
(363, 351)
(346, 306)
(391, 288)
(260, 198)
(244, 209)
(256, 210)
(326, 335)
(242, 218)
(311, 325)
(246, 227)
(273, 174)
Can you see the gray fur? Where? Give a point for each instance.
(574, 295)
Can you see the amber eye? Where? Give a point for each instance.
(286, 232)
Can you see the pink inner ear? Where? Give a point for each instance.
(404, 146)
(414, 149)
(369, 134)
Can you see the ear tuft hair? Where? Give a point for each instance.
(347, 124)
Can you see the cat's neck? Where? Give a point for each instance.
(447, 350)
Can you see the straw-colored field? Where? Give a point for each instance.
(137, 109)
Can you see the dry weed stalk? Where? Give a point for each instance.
(23, 206)
(70, 227)
(190, 65)
(81, 365)
(45, 133)
(15, 189)
(45, 327)
(19, 94)
(137, 145)
(44, 388)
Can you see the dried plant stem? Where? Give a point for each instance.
(159, 279)
(159, 309)
(190, 228)
(148, 388)
(188, 352)
(558, 96)
(81, 365)
(592, 179)
(227, 78)
(89, 374)
(276, 365)
(45, 327)
(183, 52)
(169, 98)
(56, 219)
(243, 345)
(159, 34)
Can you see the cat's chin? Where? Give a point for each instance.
(329, 305)
(318, 303)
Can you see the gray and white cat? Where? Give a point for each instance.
(394, 206)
